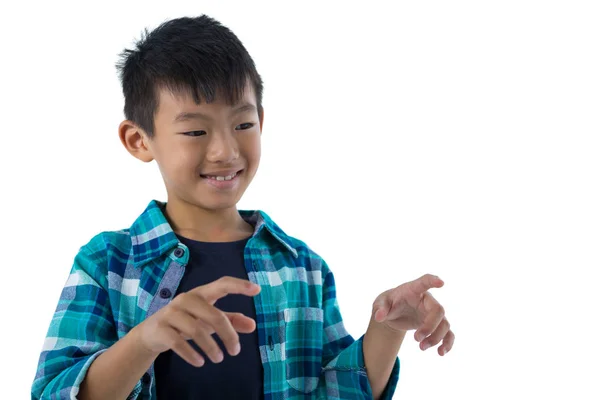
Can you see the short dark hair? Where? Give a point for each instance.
(198, 56)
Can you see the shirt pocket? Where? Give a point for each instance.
(303, 347)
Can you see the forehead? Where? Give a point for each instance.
(171, 103)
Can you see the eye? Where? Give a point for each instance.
(195, 133)
(248, 124)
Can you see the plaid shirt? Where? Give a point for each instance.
(120, 278)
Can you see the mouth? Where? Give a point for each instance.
(222, 180)
(222, 177)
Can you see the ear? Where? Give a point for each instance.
(261, 118)
(135, 141)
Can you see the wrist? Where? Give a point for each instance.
(385, 330)
(137, 344)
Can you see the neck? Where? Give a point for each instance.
(196, 223)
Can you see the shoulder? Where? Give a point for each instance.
(107, 243)
(149, 236)
(106, 250)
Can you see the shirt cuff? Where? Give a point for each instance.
(351, 359)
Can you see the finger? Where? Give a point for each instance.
(220, 324)
(207, 343)
(435, 314)
(182, 348)
(382, 307)
(182, 321)
(437, 335)
(190, 328)
(187, 352)
(224, 286)
(425, 283)
(381, 313)
(241, 323)
(446, 344)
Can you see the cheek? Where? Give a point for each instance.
(257, 154)
(178, 161)
(253, 150)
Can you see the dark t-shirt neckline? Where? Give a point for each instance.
(213, 247)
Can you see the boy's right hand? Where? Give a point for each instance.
(192, 315)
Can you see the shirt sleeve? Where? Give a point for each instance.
(344, 374)
(81, 329)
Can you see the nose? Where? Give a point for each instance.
(222, 148)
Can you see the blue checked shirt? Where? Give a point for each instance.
(121, 278)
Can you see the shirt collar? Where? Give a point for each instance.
(152, 235)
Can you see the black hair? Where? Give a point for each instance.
(198, 56)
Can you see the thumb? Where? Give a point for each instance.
(381, 309)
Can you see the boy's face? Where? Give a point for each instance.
(208, 153)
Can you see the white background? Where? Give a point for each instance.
(459, 138)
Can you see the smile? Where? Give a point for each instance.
(221, 178)
(224, 180)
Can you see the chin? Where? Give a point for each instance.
(215, 205)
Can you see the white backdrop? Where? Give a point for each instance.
(458, 138)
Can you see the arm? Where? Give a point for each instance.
(115, 373)
(347, 362)
(380, 347)
(81, 330)
(395, 311)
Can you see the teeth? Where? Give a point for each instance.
(222, 178)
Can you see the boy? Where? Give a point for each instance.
(197, 299)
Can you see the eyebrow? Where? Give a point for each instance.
(186, 116)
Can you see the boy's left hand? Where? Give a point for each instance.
(411, 306)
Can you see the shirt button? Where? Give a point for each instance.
(165, 293)
(271, 344)
(179, 252)
(146, 378)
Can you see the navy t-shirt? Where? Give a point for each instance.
(236, 377)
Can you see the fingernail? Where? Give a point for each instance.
(377, 316)
(236, 349)
(199, 361)
(219, 357)
(426, 346)
(420, 337)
